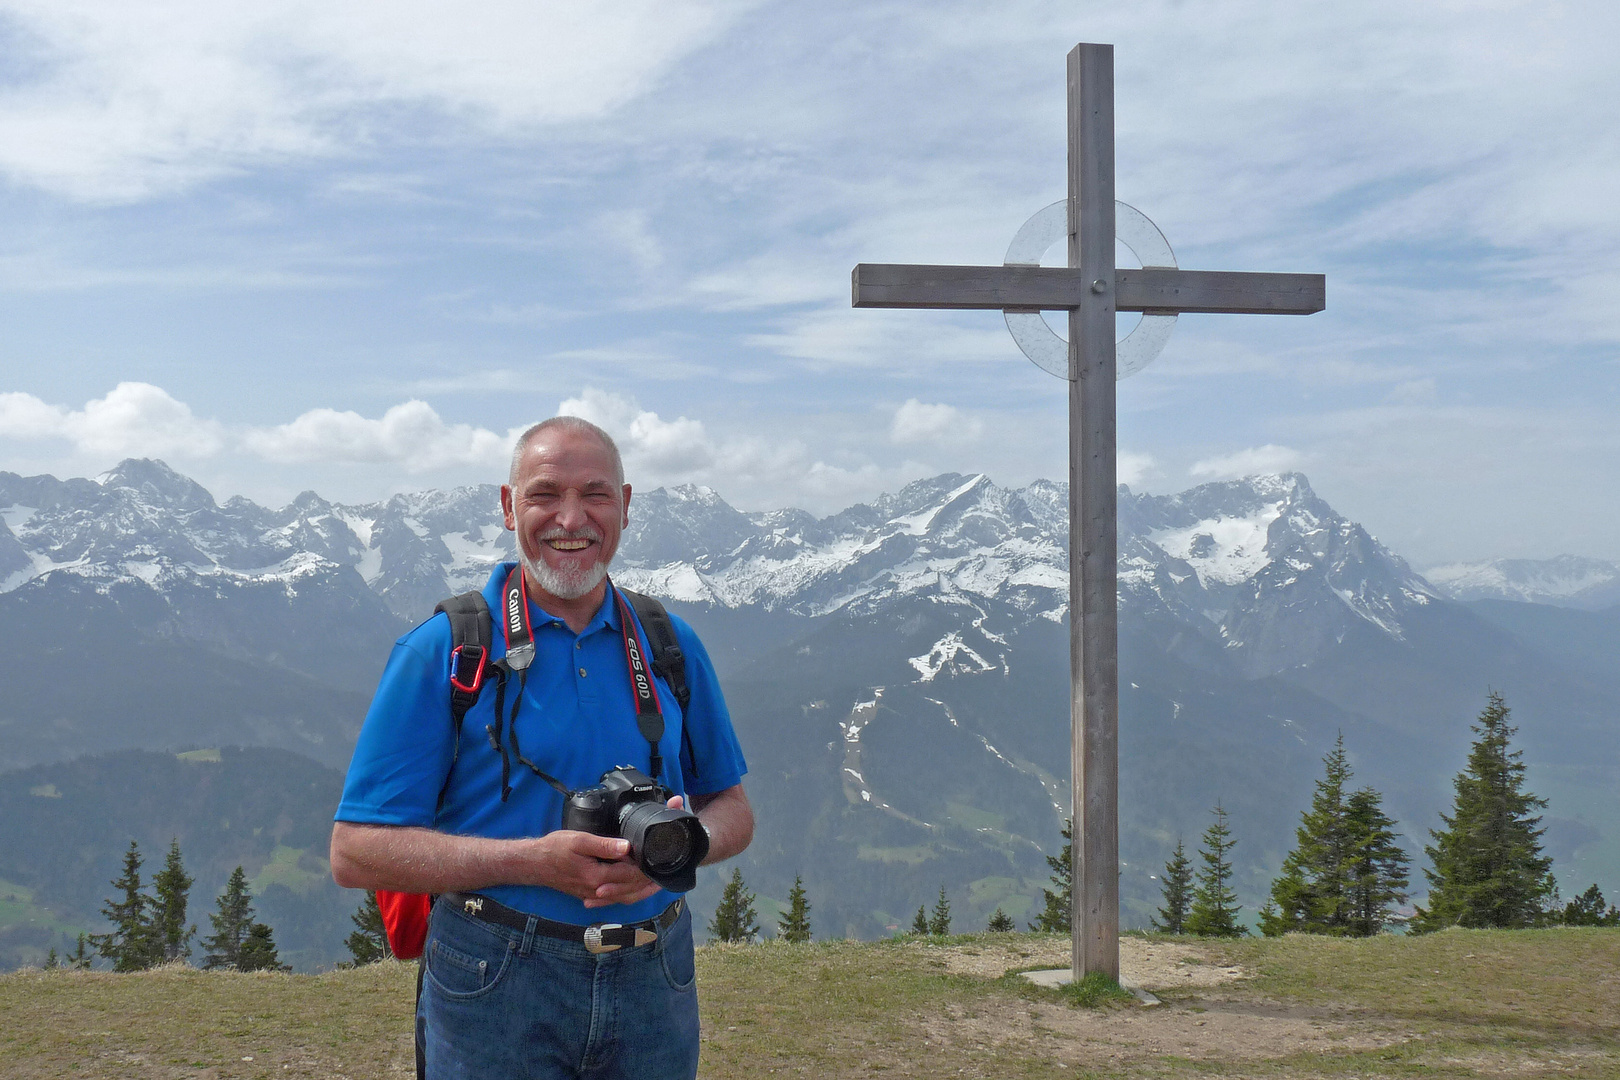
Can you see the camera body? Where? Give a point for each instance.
(666, 844)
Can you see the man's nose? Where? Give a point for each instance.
(571, 512)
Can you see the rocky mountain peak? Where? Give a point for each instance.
(153, 482)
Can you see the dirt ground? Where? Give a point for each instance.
(1207, 1025)
(1152, 965)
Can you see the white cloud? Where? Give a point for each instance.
(673, 449)
(1269, 458)
(916, 422)
(1134, 469)
(747, 470)
(135, 419)
(411, 435)
(130, 100)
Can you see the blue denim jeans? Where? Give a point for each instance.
(499, 1004)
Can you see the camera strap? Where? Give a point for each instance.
(519, 636)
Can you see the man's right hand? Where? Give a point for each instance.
(580, 863)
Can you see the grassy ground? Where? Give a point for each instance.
(1457, 1004)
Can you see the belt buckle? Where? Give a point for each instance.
(593, 937)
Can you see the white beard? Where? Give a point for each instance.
(563, 584)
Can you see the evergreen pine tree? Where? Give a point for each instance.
(1587, 909)
(258, 952)
(1000, 923)
(79, 958)
(939, 923)
(734, 919)
(233, 921)
(1312, 891)
(369, 941)
(794, 927)
(51, 961)
(1378, 874)
(131, 944)
(1488, 867)
(171, 889)
(919, 925)
(1056, 916)
(1214, 906)
(1346, 870)
(1177, 890)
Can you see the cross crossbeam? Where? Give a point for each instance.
(1156, 290)
(1091, 289)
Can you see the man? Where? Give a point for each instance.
(513, 985)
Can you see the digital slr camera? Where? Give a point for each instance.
(667, 844)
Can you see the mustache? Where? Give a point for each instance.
(587, 533)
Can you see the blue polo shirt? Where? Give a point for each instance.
(577, 720)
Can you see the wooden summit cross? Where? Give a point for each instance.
(1091, 290)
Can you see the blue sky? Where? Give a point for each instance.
(352, 247)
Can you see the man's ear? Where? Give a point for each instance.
(506, 508)
(626, 522)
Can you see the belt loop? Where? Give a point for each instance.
(528, 935)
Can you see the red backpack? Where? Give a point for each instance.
(405, 915)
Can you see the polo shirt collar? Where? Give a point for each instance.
(606, 617)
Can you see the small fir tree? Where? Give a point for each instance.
(171, 890)
(369, 942)
(1177, 890)
(1056, 916)
(1488, 867)
(1378, 865)
(233, 921)
(258, 951)
(51, 961)
(79, 959)
(919, 925)
(131, 944)
(734, 919)
(1000, 923)
(794, 927)
(1587, 909)
(1214, 908)
(939, 923)
(1346, 870)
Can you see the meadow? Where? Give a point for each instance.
(1455, 1004)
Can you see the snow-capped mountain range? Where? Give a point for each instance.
(1564, 581)
(1230, 558)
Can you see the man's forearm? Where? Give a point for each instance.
(424, 861)
(729, 819)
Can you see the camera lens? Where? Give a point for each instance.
(665, 846)
(665, 843)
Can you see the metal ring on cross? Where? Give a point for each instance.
(1035, 336)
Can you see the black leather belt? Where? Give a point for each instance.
(597, 938)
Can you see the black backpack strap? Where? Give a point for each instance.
(471, 631)
(667, 658)
(668, 661)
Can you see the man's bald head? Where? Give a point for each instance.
(574, 425)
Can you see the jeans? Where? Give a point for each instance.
(499, 1004)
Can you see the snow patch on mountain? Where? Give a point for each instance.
(945, 652)
(1222, 549)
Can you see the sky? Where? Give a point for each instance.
(354, 247)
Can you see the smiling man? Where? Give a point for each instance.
(550, 952)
